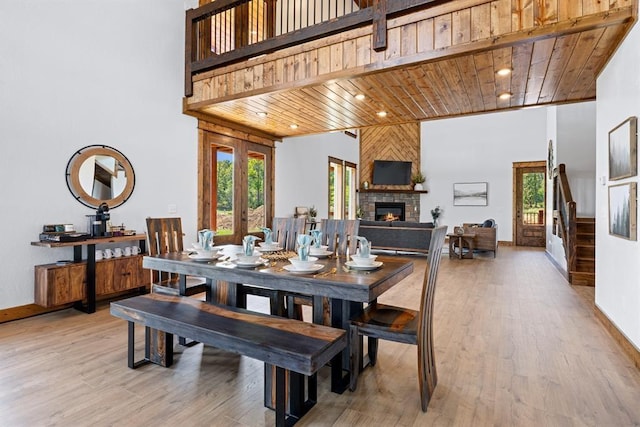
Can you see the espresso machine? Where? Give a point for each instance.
(98, 222)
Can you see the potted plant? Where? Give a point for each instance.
(435, 214)
(417, 181)
(359, 212)
(312, 213)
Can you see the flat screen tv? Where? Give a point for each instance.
(390, 172)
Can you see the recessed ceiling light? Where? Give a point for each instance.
(382, 114)
(293, 126)
(504, 71)
(505, 95)
(359, 97)
(261, 114)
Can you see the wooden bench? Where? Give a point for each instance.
(298, 347)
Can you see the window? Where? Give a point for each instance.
(342, 189)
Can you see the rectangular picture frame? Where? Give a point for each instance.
(622, 210)
(470, 194)
(623, 143)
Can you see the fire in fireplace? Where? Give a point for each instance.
(389, 211)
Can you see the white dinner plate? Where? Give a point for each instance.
(270, 248)
(258, 262)
(205, 258)
(321, 254)
(315, 267)
(351, 264)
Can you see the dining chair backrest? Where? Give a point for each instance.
(286, 231)
(164, 235)
(338, 234)
(426, 360)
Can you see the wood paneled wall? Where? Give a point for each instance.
(397, 142)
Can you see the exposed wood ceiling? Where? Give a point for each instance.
(547, 69)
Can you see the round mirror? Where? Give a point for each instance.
(100, 174)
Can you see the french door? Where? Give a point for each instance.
(235, 188)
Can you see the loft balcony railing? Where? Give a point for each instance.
(228, 31)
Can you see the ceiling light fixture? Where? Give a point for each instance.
(261, 114)
(382, 114)
(293, 126)
(504, 71)
(359, 97)
(505, 95)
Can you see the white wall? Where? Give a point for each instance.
(302, 170)
(76, 73)
(617, 266)
(576, 137)
(479, 149)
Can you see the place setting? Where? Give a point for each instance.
(317, 249)
(249, 257)
(363, 259)
(268, 245)
(204, 250)
(303, 263)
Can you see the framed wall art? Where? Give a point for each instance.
(623, 141)
(622, 210)
(470, 194)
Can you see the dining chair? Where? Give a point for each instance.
(165, 235)
(386, 322)
(339, 236)
(285, 232)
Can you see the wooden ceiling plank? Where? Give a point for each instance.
(584, 46)
(454, 81)
(435, 76)
(486, 78)
(432, 100)
(412, 98)
(521, 58)
(540, 58)
(559, 59)
(594, 6)
(442, 31)
(502, 59)
(416, 89)
(393, 97)
(500, 18)
(585, 88)
(467, 68)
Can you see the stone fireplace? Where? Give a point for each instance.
(410, 200)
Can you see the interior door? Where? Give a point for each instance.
(529, 203)
(236, 188)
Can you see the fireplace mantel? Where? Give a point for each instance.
(373, 190)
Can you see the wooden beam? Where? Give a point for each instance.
(379, 25)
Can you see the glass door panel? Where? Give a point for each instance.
(256, 191)
(222, 209)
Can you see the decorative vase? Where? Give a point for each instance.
(418, 187)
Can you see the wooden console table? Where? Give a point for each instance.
(67, 280)
(464, 242)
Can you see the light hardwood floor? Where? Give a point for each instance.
(515, 346)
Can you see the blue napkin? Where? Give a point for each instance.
(205, 238)
(304, 241)
(268, 236)
(248, 244)
(317, 236)
(365, 247)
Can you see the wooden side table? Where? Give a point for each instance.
(464, 244)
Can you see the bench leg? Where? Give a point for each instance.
(293, 396)
(158, 347)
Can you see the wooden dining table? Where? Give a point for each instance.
(346, 288)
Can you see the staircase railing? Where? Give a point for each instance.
(567, 221)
